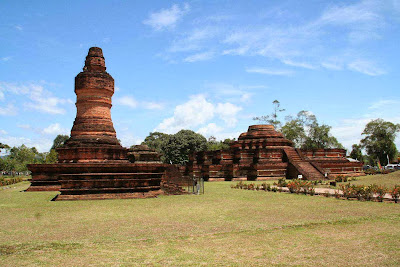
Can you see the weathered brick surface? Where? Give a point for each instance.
(263, 153)
(92, 163)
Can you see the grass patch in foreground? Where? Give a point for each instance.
(222, 227)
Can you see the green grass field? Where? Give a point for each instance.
(222, 227)
(388, 180)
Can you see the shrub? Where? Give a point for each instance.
(380, 191)
(268, 187)
(282, 182)
(395, 193)
(10, 181)
(326, 194)
(341, 178)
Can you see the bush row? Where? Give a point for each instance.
(362, 192)
(10, 181)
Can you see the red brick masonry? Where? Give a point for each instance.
(263, 153)
(92, 164)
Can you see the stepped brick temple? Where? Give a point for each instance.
(92, 164)
(263, 153)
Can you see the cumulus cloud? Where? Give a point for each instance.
(198, 111)
(167, 18)
(228, 113)
(39, 98)
(55, 129)
(210, 129)
(128, 101)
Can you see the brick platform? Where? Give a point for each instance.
(262, 153)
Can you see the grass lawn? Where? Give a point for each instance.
(223, 227)
(388, 180)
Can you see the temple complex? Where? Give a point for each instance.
(92, 164)
(262, 153)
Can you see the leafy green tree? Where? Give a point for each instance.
(273, 117)
(155, 140)
(51, 157)
(59, 141)
(305, 131)
(4, 146)
(177, 147)
(356, 152)
(379, 140)
(319, 136)
(213, 144)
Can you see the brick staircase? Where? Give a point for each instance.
(303, 167)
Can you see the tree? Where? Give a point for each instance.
(213, 144)
(307, 133)
(51, 157)
(177, 147)
(319, 137)
(379, 140)
(155, 140)
(356, 152)
(273, 117)
(59, 141)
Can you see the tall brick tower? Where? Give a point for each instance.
(92, 164)
(93, 138)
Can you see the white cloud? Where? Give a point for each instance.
(358, 13)
(167, 18)
(233, 93)
(298, 64)
(9, 110)
(5, 58)
(338, 29)
(269, 71)
(228, 113)
(39, 98)
(152, 105)
(18, 27)
(332, 65)
(131, 102)
(197, 112)
(55, 129)
(3, 132)
(365, 67)
(128, 139)
(24, 126)
(199, 57)
(210, 129)
(128, 101)
(384, 104)
(194, 112)
(41, 144)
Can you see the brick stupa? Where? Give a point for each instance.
(92, 164)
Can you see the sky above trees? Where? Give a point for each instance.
(208, 66)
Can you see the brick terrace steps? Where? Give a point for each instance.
(303, 166)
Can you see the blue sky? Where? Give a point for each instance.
(209, 66)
